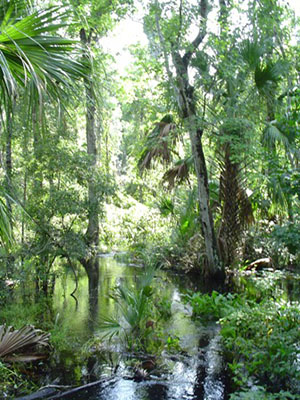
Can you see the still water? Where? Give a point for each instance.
(98, 370)
(196, 372)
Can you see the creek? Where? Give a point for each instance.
(194, 372)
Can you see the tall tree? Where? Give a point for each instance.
(174, 44)
(91, 263)
(93, 25)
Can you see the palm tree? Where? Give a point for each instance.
(31, 57)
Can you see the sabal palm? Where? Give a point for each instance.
(267, 75)
(31, 57)
(28, 53)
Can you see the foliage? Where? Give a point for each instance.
(20, 313)
(288, 235)
(245, 100)
(11, 380)
(30, 56)
(132, 313)
(212, 306)
(260, 335)
(140, 309)
(260, 340)
(259, 393)
(269, 239)
(130, 224)
(5, 225)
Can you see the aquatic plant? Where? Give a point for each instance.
(260, 341)
(133, 311)
(212, 306)
(259, 393)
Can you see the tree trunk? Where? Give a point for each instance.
(187, 108)
(8, 176)
(91, 262)
(8, 160)
(185, 98)
(213, 268)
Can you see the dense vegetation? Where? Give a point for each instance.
(182, 151)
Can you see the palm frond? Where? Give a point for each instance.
(132, 304)
(165, 205)
(269, 73)
(12, 341)
(158, 144)
(5, 225)
(251, 53)
(28, 53)
(147, 277)
(179, 172)
(272, 135)
(110, 327)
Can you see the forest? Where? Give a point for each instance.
(150, 200)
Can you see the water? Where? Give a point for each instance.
(194, 373)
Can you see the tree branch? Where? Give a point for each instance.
(201, 34)
(180, 23)
(163, 47)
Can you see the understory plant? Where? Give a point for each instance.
(280, 242)
(260, 337)
(133, 320)
(12, 381)
(261, 345)
(286, 239)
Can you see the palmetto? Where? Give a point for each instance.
(133, 309)
(29, 54)
(14, 341)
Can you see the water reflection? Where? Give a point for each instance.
(187, 375)
(82, 318)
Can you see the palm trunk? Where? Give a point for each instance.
(230, 229)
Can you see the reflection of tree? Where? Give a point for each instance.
(93, 307)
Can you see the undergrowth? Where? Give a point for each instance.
(260, 336)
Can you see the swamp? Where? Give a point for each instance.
(150, 200)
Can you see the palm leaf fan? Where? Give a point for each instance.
(5, 225)
(12, 341)
(269, 73)
(272, 134)
(29, 53)
(251, 53)
(179, 172)
(158, 144)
